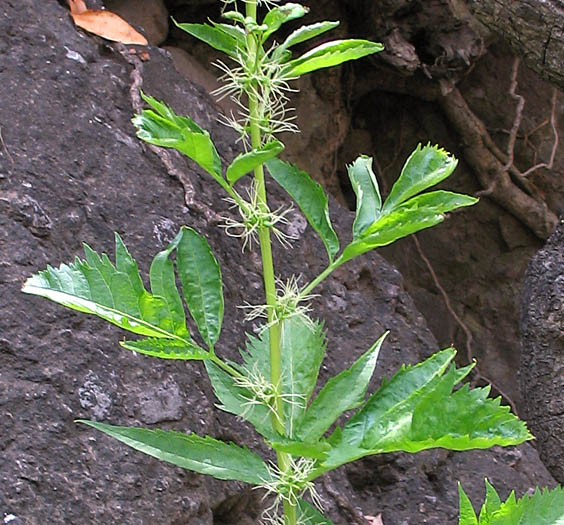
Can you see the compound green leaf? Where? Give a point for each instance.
(425, 167)
(282, 14)
(543, 507)
(163, 127)
(311, 199)
(167, 349)
(303, 34)
(200, 454)
(214, 36)
(163, 284)
(114, 293)
(200, 276)
(418, 213)
(239, 400)
(310, 515)
(417, 410)
(247, 162)
(331, 54)
(368, 200)
(343, 392)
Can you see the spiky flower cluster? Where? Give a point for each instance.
(253, 217)
(262, 78)
(262, 392)
(290, 486)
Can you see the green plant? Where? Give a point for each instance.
(544, 507)
(272, 387)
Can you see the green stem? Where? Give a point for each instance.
(321, 277)
(253, 49)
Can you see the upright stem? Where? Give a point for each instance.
(253, 49)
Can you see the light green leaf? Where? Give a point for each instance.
(167, 349)
(163, 284)
(331, 54)
(165, 128)
(314, 450)
(466, 511)
(200, 276)
(310, 515)
(342, 392)
(368, 200)
(418, 213)
(417, 410)
(311, 199)
(425, 167)
(235, 32)
(214, 36)
(303, 34)
(247, 162)
(282, 14)
(239, 401)
(200, 454)
(544, 507)
(114, 293)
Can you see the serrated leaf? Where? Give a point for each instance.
(310, 515)
(343, 392)
(163, 284)
(368, 200)
(247, 162)
(303, 34)
(425, 167)
(282, 14)
(200, 454)
(331, 54)
(163, 127)
(213, 36)
(114, 293)
(417, 410)
(303, 347)
(398, 395)
(239, 401)
(544, 507)
(311, 199)
(200, 276)
(167, 349)
(418, 213)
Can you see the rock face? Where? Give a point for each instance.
(72, 170)
(542, 351)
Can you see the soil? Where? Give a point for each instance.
(72, 171)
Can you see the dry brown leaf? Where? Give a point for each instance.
(108, 25)
(77, 6)
(375, 520)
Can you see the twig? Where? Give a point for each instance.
(548, 165)
(460, 322)
(518, 114)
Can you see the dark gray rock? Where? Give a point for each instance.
(542, 351)
(70, 152)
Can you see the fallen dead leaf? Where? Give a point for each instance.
(77, 6)
(375, 520)
(108, 25)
